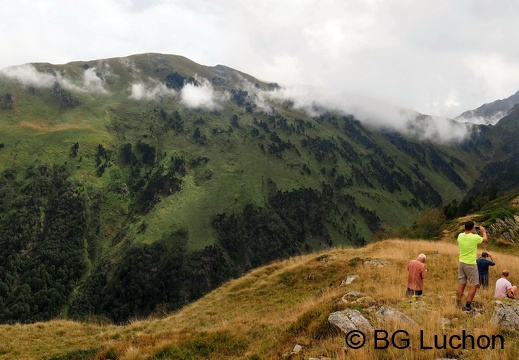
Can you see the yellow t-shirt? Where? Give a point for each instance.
(468, 244)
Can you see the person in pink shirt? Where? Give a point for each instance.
(504, 288)
(416, 272)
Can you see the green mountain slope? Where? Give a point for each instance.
(134, 185)
(499, 175)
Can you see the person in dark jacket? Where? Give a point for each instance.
(484, 262)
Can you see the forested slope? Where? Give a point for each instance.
(135, 185)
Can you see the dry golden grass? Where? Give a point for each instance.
(264, 314)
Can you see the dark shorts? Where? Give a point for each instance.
(483, 281)
(411, 292)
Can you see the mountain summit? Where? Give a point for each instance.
(490, 113)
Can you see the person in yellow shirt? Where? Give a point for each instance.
(468, 242)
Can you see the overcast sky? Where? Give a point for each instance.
(437, 57)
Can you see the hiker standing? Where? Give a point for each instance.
(468, 242)
(483, 263)
(416, 272)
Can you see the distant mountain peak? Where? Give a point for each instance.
(490, 113)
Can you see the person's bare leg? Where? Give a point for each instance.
(514, 291)
(472, 292)
(459, 293)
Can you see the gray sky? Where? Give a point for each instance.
(437, 57)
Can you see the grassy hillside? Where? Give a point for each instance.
(43, 124)
(122, 176)
(265, 313)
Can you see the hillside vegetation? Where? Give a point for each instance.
(134, 186)
(265, 313)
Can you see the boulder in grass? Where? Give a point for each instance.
(387, 313)
(350, 319)
(506, 315)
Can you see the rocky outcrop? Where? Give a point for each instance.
(506, 315)
(376, 262)
(65, 98)
(350, 319)
(349, 279)
(506, 228)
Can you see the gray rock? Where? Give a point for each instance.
(351, 296)
(350, 319)
(349, 279)
(376, 262)
(388, 313)
(297, 349)
(506, 315)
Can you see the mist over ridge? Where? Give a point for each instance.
(203, 94)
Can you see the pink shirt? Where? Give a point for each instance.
(416, 272)
(502, 285)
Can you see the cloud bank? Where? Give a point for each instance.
(140, 91)
(436, 57)
(203, 95)
(28, 75)
(200, 95)
(372, 113)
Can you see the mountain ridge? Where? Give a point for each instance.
(490, 113)
(154, 172)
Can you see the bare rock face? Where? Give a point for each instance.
(506, 315)
(350, 319)
(507, 228)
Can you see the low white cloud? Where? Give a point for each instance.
(303, 98)
(373, 113)
(438, 129)
(92, 82)
(29, 76)
(129, 65)
(202, 96)
(482, 120)
(140, 91)
(262, 104)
